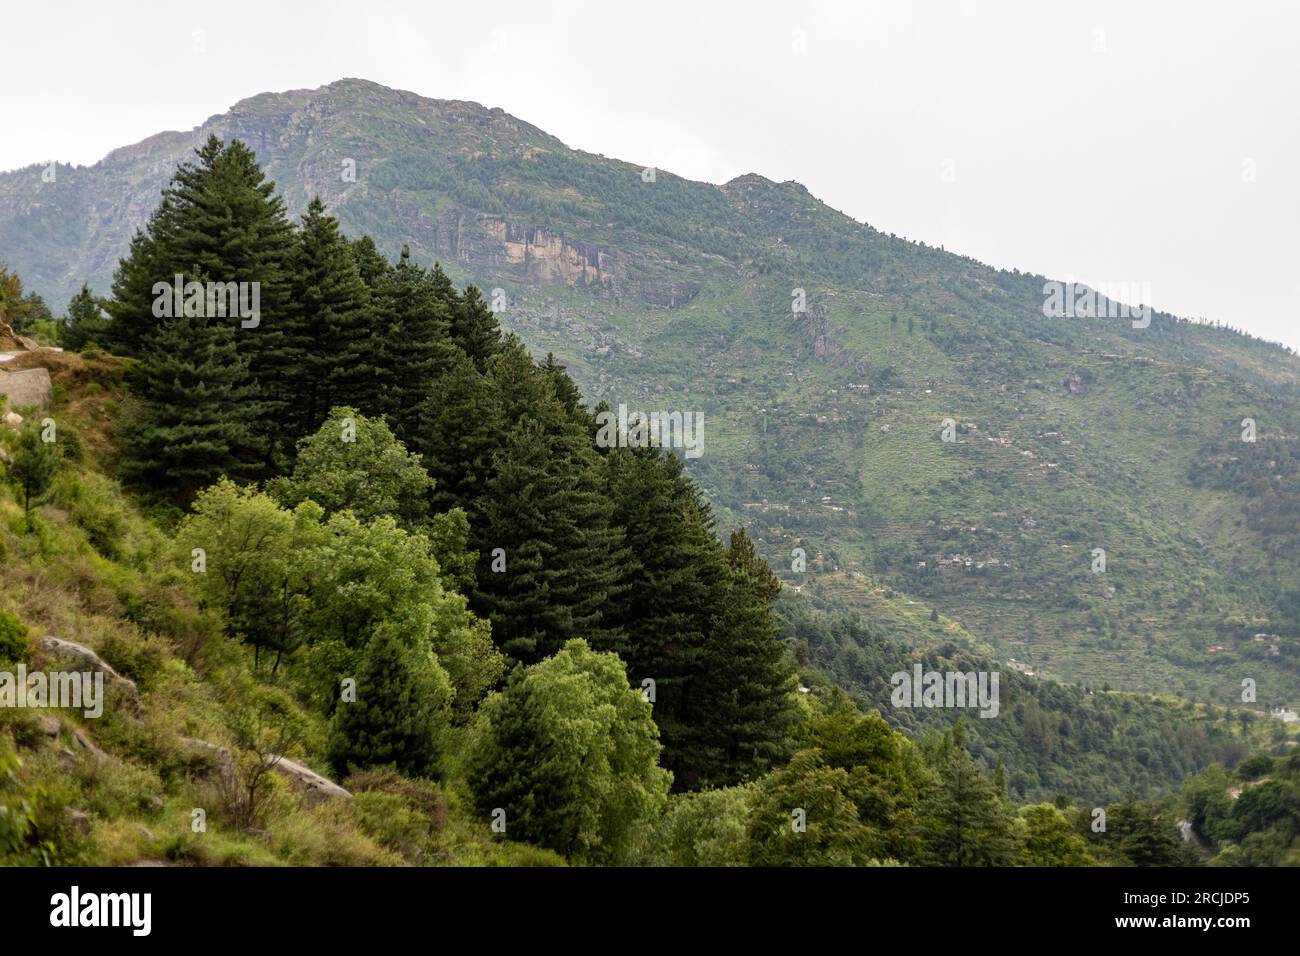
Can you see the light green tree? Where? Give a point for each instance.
(1050, 839)
(356, 463)
(245, 552)
(30, 467)
(570, 752)
(362, 574)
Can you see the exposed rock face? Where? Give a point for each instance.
(316, 788)
(89, 658)
(542, 256)
(28, 386)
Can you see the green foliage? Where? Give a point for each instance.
(1053, 738)
(570, 752)
(364, 574)
(964, 820)
(708, 828)
(22, 842)
(804, 816)
(31, 466)
(246, 554)
(1051, 838)
(13, 637)
(355, 463)
(402, 701)
(86, 324)
(1251, 823)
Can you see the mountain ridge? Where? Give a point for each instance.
(825, 423)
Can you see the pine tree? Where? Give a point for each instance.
(221, 221)
(544, 507)
(327, 336)
(415, 349)
(86, 323)
(130, 308)
(674, 573)
(400, 712)
(371, 266)
(460, 433)
(964, 820)
(197, 409)
(474, 327)
(747, 684)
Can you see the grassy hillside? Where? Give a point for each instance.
(123, 788)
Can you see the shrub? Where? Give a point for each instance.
(13, 637)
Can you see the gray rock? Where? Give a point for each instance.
(86, 744)
(316, 788)
(223, 763)
(89, 658)
(26, 386)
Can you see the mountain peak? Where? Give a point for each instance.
(759, 181)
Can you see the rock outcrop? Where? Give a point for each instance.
(28, 386)
(315, 788)
(69, 649)
(11, 341)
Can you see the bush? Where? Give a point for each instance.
(132, 656)
(94, 506)
(13, 637)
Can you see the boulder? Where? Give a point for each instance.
(313, 786)
(223, 764)
(85, 744)
(316, 788)
(27, 386)
(87, 657)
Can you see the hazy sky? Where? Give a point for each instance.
(1149, 143)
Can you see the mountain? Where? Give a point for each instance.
(824, 427)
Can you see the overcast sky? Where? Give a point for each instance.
(1149, 143)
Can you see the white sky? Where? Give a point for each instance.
(1102, 142)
